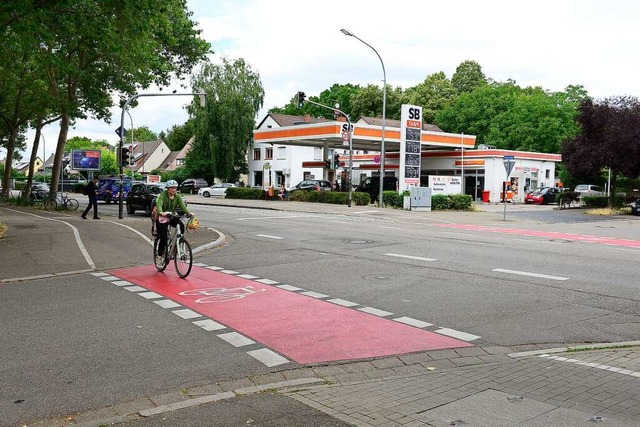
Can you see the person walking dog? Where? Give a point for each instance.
(91, 192)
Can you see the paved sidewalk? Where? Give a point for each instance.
(476, 386)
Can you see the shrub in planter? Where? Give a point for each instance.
(244, 193)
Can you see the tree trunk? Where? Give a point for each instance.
(62, 140)
(11, 146)
(32, 160)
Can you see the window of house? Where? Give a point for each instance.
(547, 173)
(256, 154)
(317, 153)
(257, 178)
(282, 153)
(268, 153)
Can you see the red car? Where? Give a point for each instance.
(542, 195)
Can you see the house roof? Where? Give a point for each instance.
(377, 121)
(287, 120)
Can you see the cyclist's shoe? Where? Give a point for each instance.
(96, 217)
(83, 217)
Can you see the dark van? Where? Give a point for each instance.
(371, 186)
(109, 189)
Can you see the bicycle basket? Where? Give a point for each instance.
(192, 223)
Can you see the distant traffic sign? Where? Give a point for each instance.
(509, 163)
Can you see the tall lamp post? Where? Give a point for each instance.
(120, 130)
(384, 111)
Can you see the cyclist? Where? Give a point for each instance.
(167, 204)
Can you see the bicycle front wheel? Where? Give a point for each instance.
(183, 258)
(72, 204)
(160, 261)
(50, 204)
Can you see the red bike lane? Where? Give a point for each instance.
(302, 328)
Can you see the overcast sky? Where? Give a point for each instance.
(297, 45)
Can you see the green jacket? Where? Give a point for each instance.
(165, 204)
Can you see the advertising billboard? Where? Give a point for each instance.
(86, 160)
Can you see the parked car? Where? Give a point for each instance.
(39, 191)
(635, 207)
(311, 185)
(109, 189)
(589, 190)
(217, 190)
(141, 196)
(371, 185)
(192, 185)
(542, 195)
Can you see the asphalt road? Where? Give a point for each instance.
(78, 343)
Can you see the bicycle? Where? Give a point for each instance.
(178, 249)
(65, 202)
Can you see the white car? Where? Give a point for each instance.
(217, 190)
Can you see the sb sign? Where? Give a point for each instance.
(414, 117)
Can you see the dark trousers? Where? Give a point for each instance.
(92, 202)
(163, 232)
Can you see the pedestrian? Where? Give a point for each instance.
(91, 192)
(335, 186)
(283, 192)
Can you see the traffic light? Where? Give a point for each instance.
(124, 157)
(336, 161)
(301, 96)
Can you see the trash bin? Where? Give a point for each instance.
(486, 194)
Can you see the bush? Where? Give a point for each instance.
(602, 201)
(245, 193)
(441, 202)
(334, 197)
(394, 199)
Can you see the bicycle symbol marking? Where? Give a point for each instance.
(221, 294)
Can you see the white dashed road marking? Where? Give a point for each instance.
(167, 303)
(343, 302)
(209, 325)
(186, 313)
(313, 294)
(269, 237)
(411, 257)
(268, 357)
(457, 334)
(149, 295)
(236, 339)
(413, 322)
(375, 311)
(526, 273)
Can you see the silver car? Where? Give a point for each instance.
(217, 190)
(589, 190)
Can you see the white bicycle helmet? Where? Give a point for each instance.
(172, 183)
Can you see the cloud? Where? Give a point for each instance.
(296, 46)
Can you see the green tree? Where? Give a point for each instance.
(178, 136)
(142, 134)
(433, 94)
(509, 117)
(367, 102)
(468, 77)
(85, 67)
(609, 138)
(224, 127)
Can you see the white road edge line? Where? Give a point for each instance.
(526, 273)
(76, 234)
(411, 257)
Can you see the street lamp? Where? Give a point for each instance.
(121, 128)
(130, 152)
(384, 110)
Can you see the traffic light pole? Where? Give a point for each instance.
(121, 133)
(335, 110)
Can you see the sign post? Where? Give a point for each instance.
(509, 163)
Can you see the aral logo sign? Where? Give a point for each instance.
(410, 136)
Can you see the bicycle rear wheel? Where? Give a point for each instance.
(183, 258)
(72, 204)
(160, 261)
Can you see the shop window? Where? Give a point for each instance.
(268, 153)
(256, 154)
(257, 178)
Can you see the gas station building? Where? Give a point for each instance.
(288, 149)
